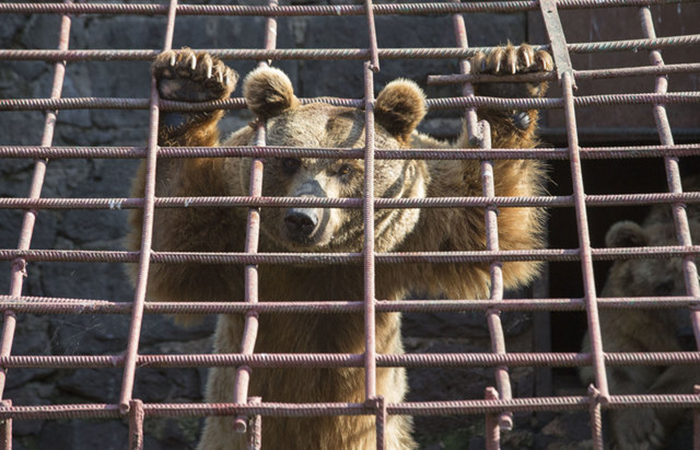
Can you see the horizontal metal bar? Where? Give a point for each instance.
(42, 104)
(318, 10)
(459, 407)
(554, 255)
(597, 74)
(338, 360)
(51, 305)
(318, 202)
(340, 53)
(621, 152)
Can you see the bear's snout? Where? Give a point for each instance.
(301, 223)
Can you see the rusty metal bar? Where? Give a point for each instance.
(596, 74)
(19, 264)
(585, 248)
(51, 305)
(673, 176)
(433, 104)
(320, 10)
(594, 410)
(136, 417)
(461, 407)
(337, 360)
(6, 428)
(380, 421)
(341, 54)
(480, 133)
(373, 46)
(255, 427)
(556, 36)
(493, 429)
(620, 152)
(493, 316)
(146, 234)
(250, 331)
(690, 270)
(368, 253)
(598, 254)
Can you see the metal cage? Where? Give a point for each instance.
(499, 403)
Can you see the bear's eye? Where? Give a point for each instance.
(291, 165)
(345, 169)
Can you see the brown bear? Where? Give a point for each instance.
(646, 330)
(400, 106)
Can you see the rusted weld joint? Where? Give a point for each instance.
(595, 397)
(20, 265)
(240, 423)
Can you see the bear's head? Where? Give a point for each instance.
(647, 277)
(398, 109)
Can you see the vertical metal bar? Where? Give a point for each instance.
(565, 71)
(381, 422)
(373, 47)
(250, 331)
(465, 68)
(136, 417)
(493, 316)
(368, 251)
(146, 234)
(673, 179)
(255, 427)
(19, 265)
(493, 430)
(673, 176)
(480, 134)
(590, 296)
(596, 417)
(6, 429)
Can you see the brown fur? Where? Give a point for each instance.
(638, 330)
(399, 108)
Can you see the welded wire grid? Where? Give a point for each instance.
(498, 403)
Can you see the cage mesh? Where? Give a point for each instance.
(499, 403)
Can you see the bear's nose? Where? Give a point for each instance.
(301, 222)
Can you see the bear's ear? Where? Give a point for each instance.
(268, 92)
(399, 108)
(626, 234)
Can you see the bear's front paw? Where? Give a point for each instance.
(511, 60)
(186, 76)
(637, 430)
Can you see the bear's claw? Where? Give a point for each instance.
(184, 75)
(512, 60)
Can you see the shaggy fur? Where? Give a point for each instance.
(637, 330)
(399, 108)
